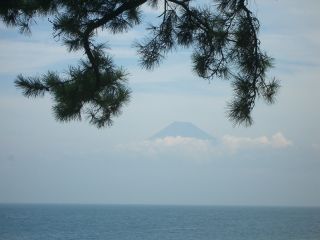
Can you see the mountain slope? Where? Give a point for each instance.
(182, 129)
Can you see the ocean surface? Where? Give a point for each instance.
(135, 222)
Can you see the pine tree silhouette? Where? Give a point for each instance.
(224, 39)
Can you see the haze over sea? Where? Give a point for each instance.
(148, 222)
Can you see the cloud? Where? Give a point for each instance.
(153, 11)
(277, 140)
(123, 53)
(125, 38)
(182, 146)
(20, 56)
(172, 70)
(182, 142)
(279, 35)
(198, 148)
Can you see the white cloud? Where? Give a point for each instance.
(183, 146)
(290, 36)
(177, 70)
(198, 148)
(153, 11)
(277, 140)
(123, 53)
(125, 38)
(235, 143)
(193, 143)
(20, 56)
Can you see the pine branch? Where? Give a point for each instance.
(224, 40)
(31, 87)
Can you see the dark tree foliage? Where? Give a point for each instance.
(223, 36)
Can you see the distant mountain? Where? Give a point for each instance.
(182, 129)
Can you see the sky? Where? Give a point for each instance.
(275, 162)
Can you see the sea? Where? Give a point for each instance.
(147, 222)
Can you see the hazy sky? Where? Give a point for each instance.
(274, 162)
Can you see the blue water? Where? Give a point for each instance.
(116, 222)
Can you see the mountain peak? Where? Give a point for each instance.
(182, 129)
